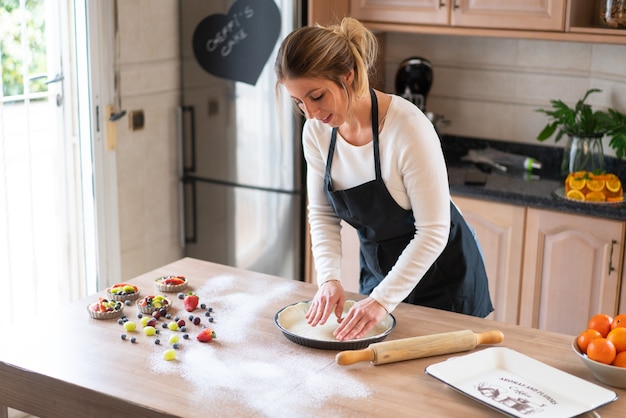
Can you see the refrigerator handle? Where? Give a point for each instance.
(189, 229)
(186, 146)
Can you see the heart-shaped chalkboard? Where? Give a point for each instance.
(237, 45)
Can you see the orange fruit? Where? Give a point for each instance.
(619, 321)
(618, 337)
(613, 184)
(585, 337)
(620, 359)
(601, 322)
(601, 350)
(575, 195)
(595, 184)
(595, 197)
(576, 181)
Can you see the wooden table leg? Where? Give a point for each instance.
(4, 411)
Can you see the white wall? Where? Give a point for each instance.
(147, 159)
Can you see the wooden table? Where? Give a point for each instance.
(69, 364)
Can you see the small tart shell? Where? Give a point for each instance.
(104, 315)
(169, 287)
(149, 309)
(128, 296)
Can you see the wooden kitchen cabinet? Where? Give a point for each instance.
(571, 269)
(555, 20)
(549, 270)
(500, 231)
(512, 14)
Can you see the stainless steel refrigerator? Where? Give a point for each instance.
(241, 163)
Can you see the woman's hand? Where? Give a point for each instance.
(361, 318)
(329, 296)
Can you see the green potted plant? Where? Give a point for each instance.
(585, 129)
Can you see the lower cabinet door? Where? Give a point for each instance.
(500, 231)
(571, 270)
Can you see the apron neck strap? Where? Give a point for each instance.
(333, 140)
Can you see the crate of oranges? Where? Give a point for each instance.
(589, 187)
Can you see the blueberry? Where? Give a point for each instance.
(176, 318)
(191, 317)
(120, 321)
(168, 316)
(123, 336)
(202, 306)
(127, 302)
(183, 328)
(133, 339)
(157, 341)
(164, 325)
(176, 346)
(211, 319)
(181, 296)
(157, 331)
(207, 313)
(210, 309)
(139, 315)
(185, 336)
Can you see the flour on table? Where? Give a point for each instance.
(251, 373)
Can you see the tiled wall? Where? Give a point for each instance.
(147, 159)
(487, 87)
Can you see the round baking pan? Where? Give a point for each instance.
(292, 323)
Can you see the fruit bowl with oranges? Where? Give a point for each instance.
(585, 186)
(602, 347)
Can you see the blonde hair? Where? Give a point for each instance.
(329, 53)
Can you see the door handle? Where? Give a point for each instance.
(57, 78)
(611, 268)
(186, 144)
(190, 213)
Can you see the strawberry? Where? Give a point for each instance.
(191, 301)
(206, 335)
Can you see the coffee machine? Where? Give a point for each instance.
(414, 79)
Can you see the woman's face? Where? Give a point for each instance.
(319, 99)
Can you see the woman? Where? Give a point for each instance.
(375, 161)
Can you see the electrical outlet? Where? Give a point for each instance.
(136, 120)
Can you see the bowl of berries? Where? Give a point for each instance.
(602, 347)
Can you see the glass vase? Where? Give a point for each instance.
(613, 13)
(583, 153)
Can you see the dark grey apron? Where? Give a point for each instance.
(457, 281)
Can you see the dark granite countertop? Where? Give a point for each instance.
(515, 187)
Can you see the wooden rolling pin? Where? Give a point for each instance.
(418, 347)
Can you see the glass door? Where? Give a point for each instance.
(41, 230)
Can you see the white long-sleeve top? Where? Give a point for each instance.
(414, 171)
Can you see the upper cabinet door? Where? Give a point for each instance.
(429, 12)
(509, 14)
(502, 14)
